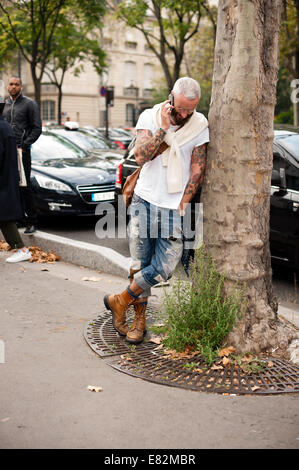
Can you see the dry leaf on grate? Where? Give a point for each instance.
(226, 351)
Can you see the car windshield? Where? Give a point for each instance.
(291, 144)
(85, 141)
(50, 146)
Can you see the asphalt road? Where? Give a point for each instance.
(285, 282)
(85, 229)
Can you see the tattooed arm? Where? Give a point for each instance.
(198, 165)
(147, 145)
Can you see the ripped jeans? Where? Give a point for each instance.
(156, 244)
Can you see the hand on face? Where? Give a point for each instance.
(166, 110)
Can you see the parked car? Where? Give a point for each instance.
(284, 202)
(92, 144)
(284, 208)
(95, 132)
(119, 136)
(68, 181)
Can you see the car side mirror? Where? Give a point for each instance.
(279, 178)
(275, 179)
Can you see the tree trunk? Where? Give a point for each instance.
(59, 104)
(37, 84)
(296, 103)
(236, 192)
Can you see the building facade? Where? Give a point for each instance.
(130, 72)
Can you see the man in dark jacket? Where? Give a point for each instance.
(10, 203)
(23, 115)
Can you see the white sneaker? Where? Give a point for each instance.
(19, 255)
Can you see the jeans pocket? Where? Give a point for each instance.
(135, 199)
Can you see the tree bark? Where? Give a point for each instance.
(236, 192)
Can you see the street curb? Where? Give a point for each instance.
(292, 315)
(80, 253)
(107, 260)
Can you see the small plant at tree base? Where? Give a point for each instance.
(199, 313)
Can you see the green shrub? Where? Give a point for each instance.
(286, 117)
(199, 315)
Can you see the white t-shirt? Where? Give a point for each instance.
(152, 184)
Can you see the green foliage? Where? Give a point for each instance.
(167, 26)
(200, 314)
(289, 64)
(56, 32)
(286, 117)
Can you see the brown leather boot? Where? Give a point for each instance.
(131, 275)
(137, 331)
(118, 305)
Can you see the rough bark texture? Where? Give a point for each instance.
(236, 193)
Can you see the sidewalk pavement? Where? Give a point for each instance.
(47, 366)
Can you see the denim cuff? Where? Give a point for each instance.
(142, 282)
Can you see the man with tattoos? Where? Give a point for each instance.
(170, 147)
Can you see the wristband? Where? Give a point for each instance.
(161, 129)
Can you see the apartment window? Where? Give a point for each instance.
(48, 110)
(131, 45)
(108, 42)
(148, 76)
(130, 114)
(130, 74)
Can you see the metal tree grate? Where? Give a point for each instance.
(148, 362)
(105, 341)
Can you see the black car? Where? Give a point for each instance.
(284, 209)
(92, 144)
(118, 136)
(66, 180)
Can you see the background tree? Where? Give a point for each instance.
(167, 26)
(198, 62)
(31, 27)
(236, 191)
(73, 45)
(289, 58)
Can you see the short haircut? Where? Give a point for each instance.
(188, 87)
(17, 77)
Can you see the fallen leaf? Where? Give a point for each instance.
(4, 246)
(155, 339)
(227, 351)
(247, 358)
(22, 269)
(93, 388)
(92, 279)
(225, 361)
(216, 367)
(270, 364)
(125, 357)
(40, 256)
(255, 388)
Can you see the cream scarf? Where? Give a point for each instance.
(171, 157)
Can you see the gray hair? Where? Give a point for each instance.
(188, 87)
